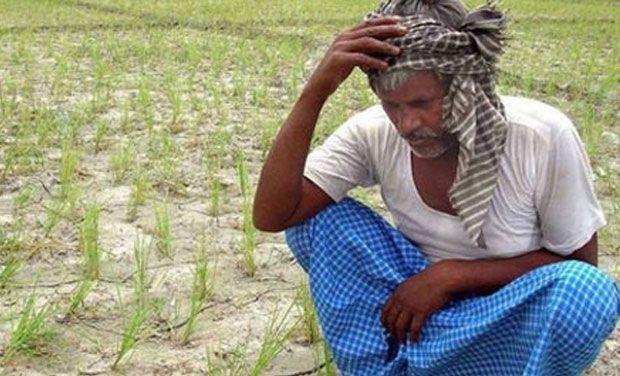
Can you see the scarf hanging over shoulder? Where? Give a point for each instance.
(471, 109)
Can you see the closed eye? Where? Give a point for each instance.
(419, 103)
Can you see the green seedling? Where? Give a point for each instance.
(202, 288)
(80, 293)
(53, 215)
(141, 253)
(231, 363)
(68, 164)
(309, 321)
(10, 240)
(145, 104)
(329, 369)
(215, 194)
(249, 232)
(212, 163)
(176, 102)
(31, 331)
(276, 335)
(133, 331)
(267, 135)
(89, 242)
(214, 150)
(125, 120)
(141, 186)
(163, 231)
(8, 268)
(102, 128)
(121, 161)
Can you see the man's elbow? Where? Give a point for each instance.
(588, 252)
(264, 222)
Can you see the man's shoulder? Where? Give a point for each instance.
(534, 120)
(371, 116)
(372, 124)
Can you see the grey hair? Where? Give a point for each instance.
(449, 12)
(396, 78)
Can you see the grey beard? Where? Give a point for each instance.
(435, 151)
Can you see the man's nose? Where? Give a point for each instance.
(409, 124)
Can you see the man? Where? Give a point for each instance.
(492, 267)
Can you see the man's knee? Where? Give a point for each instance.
(587, 302)
(336, 222)
(348, 218)
(300, 235)
(345, 208)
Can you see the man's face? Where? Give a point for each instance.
(415, 108)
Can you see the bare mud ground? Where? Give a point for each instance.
(234, 321)
(70, 70)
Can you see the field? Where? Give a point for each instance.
(131, 138)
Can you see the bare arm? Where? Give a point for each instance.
(283, 196)
(281, 184)
(489, 275)
(406, 310)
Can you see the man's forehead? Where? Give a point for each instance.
(420, 84)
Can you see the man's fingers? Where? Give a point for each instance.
(402, 325)
(385, 313)
(379, 32)
(368, 62)
(370, 46)
(391, 319)
(376, 21)
(416, 327)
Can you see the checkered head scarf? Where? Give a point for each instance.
(468, 50)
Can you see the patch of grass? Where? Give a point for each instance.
(133, 330)
(202, 289)
(31, 333)
(22, 199)
(54, 213)
(231, 363)
(163, 230)
(69, 160)
(277, 333)
(173, 92)
(144, 104)
(68, 163)
(168, 77)
(102, 128)
(330, 368)
(249, 232)
(140, 189)
(164, 151)
(8, 268)
(11, 242)
(213, 151)
(79, 294)
(215, 196)
(125, 121)
(122, 161)
(141, 254)
(309, 321)
(89, 242)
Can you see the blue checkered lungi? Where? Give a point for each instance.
(550, 321)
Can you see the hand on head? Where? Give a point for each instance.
(362, 46)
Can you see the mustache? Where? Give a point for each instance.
(421, 134)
